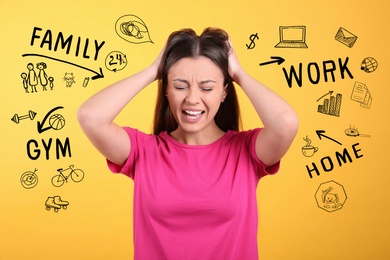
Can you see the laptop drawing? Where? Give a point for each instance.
(292, 37)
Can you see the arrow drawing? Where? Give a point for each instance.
(321, 133)
(329, 93)
(275, 59)
(97, 76)
(40, 125)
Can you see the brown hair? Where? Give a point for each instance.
(212, 44)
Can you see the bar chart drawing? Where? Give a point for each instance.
(331, 106)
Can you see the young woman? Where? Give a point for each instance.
(195, 177)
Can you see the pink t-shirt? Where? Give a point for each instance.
(194, 202)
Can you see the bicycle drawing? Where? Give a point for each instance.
(76, 175)
(29, 179)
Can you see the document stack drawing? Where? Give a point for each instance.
(361, 94)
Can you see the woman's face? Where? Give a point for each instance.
(195, 91)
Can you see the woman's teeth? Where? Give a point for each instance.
(193, 114)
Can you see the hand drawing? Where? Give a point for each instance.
(69, 79)
(76, 175)
(42, 76)
(51, 82)
(330, 196)
(29, 179)
(331, 106)
(56, 203)
(31, 115)
(369, 65)
(353, 132)
(56, 121)
(362, 95)
(345, 37)
(331, 200)
(24, 81)
(32, 78)
(85, 83)
(131, 28)
(308, 150)
(252, 38)
(116, 61)
(292, 37)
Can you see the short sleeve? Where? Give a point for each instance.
(129, 165)
(262, 169)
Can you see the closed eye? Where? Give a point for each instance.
(206, 89)
(181, 87)
(180, 84)
(207, 85)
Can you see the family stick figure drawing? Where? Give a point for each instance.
(31, 79)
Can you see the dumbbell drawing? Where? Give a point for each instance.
(29, 179)
(76, 175)
(31, 115)
(56, 203)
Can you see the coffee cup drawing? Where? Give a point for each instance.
(308, 150)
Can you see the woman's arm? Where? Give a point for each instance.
(96, 115)
(279, 119)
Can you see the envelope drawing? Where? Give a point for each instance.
(345, 37)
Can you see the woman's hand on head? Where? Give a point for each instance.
(234, 64)
(157, 61)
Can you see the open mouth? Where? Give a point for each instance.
(193, 114)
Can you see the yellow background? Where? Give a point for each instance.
(98, 221)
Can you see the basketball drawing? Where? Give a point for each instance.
(57, 121)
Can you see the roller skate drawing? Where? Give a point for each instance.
(76, 175)
(56, 203)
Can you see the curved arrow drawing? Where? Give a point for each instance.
(329, 93)
(320, 134)
(40, 125)
(97, 76)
